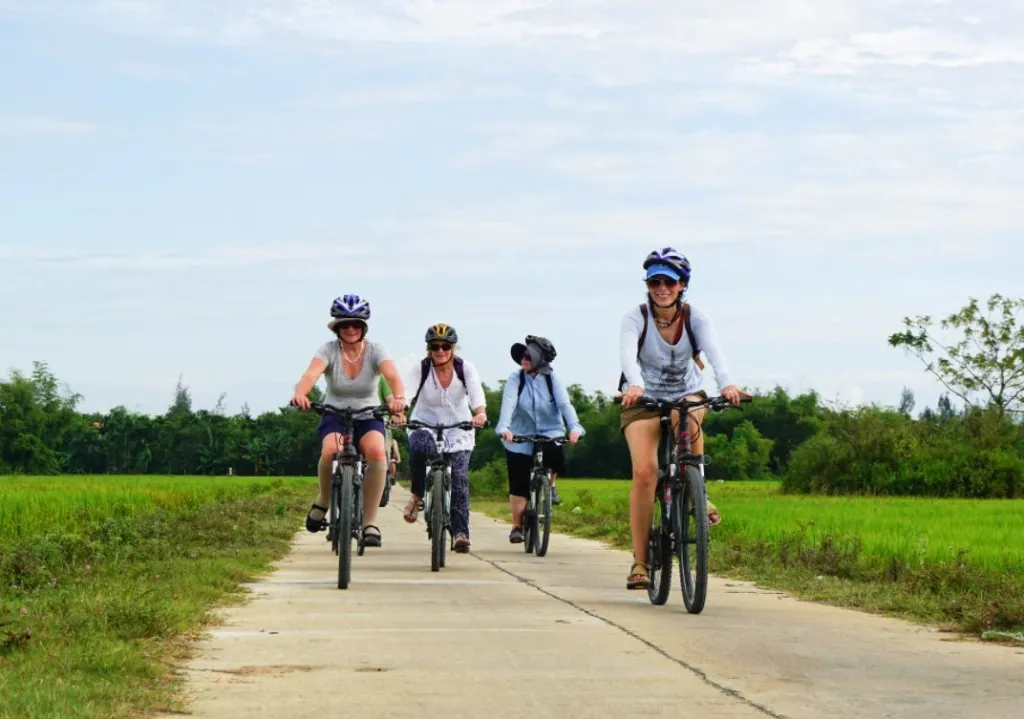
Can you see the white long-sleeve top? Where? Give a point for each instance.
(448, 406)
(667, 371)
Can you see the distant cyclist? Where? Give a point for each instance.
(352, 367)
(667, 366)
(449, 391)
(535, 401)
(394, 456)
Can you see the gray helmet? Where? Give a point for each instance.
(443, 333)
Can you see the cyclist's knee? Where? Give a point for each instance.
(329, 448)
(646, 475)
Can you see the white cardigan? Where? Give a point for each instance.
(448, 406)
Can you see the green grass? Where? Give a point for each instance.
(955, 562)
(104, 579)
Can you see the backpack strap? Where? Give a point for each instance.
(689, 334)
(460, 371)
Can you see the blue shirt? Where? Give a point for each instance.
(536, 413)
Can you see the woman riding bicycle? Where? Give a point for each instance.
(352, 367)
(667, 367)
(448, 387)
(534, 402)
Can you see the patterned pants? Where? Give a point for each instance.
(421, 445)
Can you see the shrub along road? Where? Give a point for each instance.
(501, 634)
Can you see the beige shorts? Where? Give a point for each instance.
(633, 414)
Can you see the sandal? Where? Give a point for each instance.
(714, 516)
(316, 525)
(412, 510)
(461, 544)
(638, 580)
(371, 539)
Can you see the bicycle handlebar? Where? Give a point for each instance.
(538, 439)
(716, 404)
(377, 411)
(420, 424)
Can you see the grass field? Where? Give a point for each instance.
(956, 562)
(102, 579)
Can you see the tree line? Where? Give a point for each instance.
(973, 450)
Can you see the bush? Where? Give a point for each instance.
(489, 482)
(745, 456)
(875, 451)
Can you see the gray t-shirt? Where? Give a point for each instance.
(363, 391)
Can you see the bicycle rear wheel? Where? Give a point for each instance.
(659, 553)
(436, 519)
(690, 524)
(346, 512)
(542, 515)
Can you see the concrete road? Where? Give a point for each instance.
(498, 633)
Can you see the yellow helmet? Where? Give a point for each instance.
(442, 332)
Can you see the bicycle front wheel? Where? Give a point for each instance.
(542, 516)
(437, 523)
(346, 511)
(659, 552)
(690, 524)
(332, 524)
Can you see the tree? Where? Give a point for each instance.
(906, 402)
(985, 356)
(182, 400)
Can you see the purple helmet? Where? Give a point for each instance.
(350, 307)
(668, 261)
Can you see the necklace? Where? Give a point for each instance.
(667, 323)
(354, 359)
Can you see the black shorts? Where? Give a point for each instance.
(520, 466)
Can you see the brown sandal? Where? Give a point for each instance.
(412, 510)
(714, 516)
(638, 580)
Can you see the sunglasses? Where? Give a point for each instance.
(658, 281)
(349, 324)
(439, 346)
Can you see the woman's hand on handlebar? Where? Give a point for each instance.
(479, 420)
(396, 405)
(300, 400)
(733, 394)
(631, 395)
(507, 436)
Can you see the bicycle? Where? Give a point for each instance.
(679, 495)
(439, 469)
(537, 515)
(346, 508)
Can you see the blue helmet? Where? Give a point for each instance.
(351, 307)
(668, 260)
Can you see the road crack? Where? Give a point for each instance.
(696, 671)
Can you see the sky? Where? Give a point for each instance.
(185, 186)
